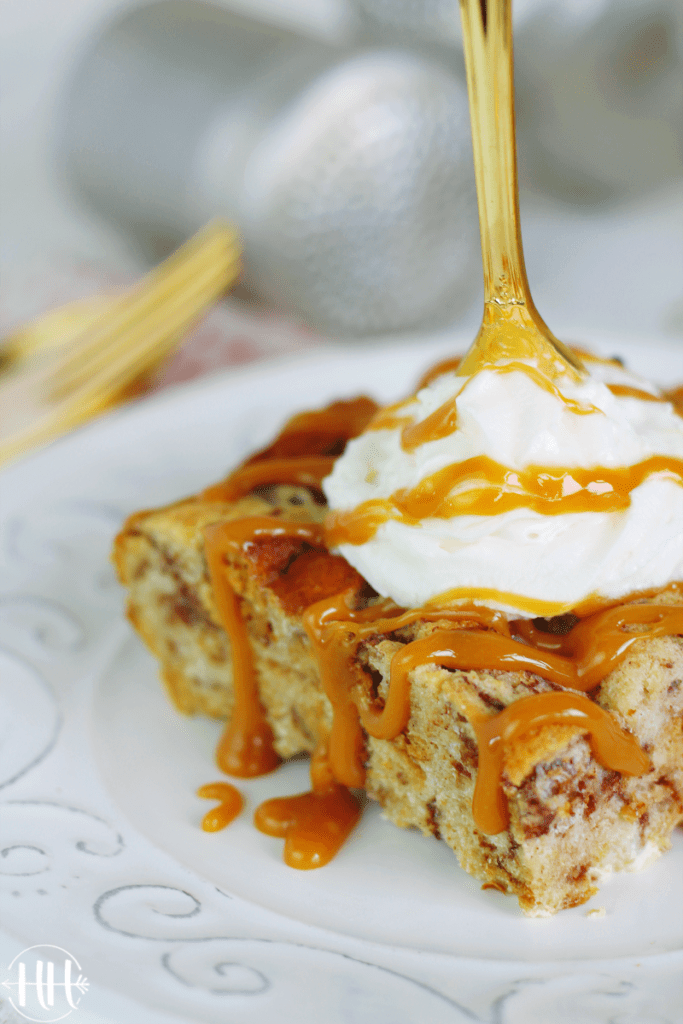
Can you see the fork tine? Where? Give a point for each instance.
(147, 341)
(109, 357)
(128, 341)
(215, 245)
(52, 331)
(101, 391)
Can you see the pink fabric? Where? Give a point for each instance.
(233, 334)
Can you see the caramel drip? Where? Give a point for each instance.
(246, 747)
(528, 605)
(600, 642)
(333, 650)
(596, 603)
(544, 382)
(389, 418)
(487, 488)
(321, 431)
(444, 420)
(441, 423)
(392, 422)
(229, 807)
(457, 649)
(579, 660)
(336, 631)
(612, 746)
(675, 396)
(240, 534)
(314, 825)
(445, 366)
(626, 391)
(481, 486)
(303, 453)
(358, 525)
(543, 609)
(306, 471)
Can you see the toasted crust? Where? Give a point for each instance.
(571, 820)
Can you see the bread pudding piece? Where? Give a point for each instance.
(159, 556)
(571, 820)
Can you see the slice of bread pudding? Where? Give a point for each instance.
(566, 814)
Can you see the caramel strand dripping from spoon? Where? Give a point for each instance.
(512, 327)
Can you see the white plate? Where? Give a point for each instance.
(100, 850)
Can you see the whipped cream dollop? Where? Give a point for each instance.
(534, 557)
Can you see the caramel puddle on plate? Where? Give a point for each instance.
(230, 805)
(314, 825)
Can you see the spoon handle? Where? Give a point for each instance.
(487, 37)
(487, 31)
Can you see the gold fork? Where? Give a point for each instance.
(98, 369)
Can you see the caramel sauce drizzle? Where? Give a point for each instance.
(321, 431)
(241, 534)
(334, 654)
(444, 420)
(315, 824)
(542, 609)
(612, 746)
(230, 805)
(675, 396)
(598, 646)
(390, 417)
(544, 382)
(481, 486)
(483, 595)
(246, 747)
(441, 423)
(600, 642)
(596, 603)
(306, 471)
(336, 630)
(625, 391)
(445, 366)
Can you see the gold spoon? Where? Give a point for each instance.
(512, 327)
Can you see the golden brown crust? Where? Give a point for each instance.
(570, 819)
